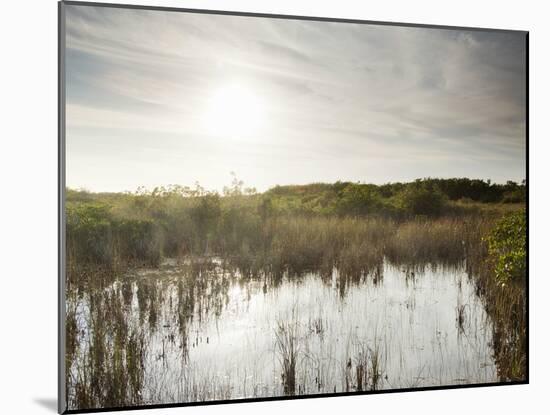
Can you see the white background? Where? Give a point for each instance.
(28, 174)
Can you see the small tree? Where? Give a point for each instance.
(421, 199)
(206, 214)
(358, 199)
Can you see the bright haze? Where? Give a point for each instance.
(157, 98)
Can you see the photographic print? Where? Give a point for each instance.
(257, 207)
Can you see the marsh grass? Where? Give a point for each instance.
(287, 346)
(363, 369)
(216, 241)
(108, 352)
(506, 305)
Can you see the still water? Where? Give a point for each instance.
(214, 335)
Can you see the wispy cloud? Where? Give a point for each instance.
(342, 101)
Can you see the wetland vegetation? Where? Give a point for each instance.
(180, 294)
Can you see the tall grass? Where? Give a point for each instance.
(109, 367)
(363, 370)
(286, 340)
(107, 237)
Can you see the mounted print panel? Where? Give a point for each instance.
(271, 207)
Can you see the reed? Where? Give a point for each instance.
(216, 239)
(286, 341)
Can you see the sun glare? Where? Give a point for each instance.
(234, 111)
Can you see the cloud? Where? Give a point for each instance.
(350, 94)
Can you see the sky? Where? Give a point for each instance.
(158, 98)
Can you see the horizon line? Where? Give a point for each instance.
(197, 185)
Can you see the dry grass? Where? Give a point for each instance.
(109, 350)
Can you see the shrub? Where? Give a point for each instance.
(359, 200)
(422, 199)
(136, 240)
(89, 233)
(507, 247)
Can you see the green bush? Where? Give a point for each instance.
(358, 200)
(136, 241)
(89, 233)
(95, 236)
(422, 199)
(507, 247)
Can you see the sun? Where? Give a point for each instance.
(234, 111)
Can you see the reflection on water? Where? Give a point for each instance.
(201, 333)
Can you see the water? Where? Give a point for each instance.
(429, 329)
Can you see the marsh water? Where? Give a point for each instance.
(212, 334)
